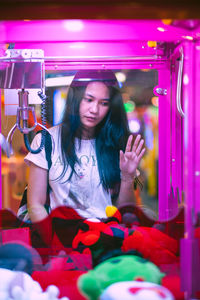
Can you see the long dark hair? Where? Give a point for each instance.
(110, 135)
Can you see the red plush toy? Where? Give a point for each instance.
(66, 281)
(153, 245)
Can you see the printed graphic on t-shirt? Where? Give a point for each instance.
(82, 186)
(58, 162)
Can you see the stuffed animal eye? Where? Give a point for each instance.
(115, 261)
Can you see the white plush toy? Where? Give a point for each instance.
(136, 290)
(16, 285)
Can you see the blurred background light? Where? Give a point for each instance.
(129, 106)
(134, 125)
(121, 77)
(149, 137)
(59, 102)
(185, 79)
(154, 101)
(152, 44)
(167, 21)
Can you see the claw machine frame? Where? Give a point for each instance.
(171, 48)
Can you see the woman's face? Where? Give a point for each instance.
(94, 106)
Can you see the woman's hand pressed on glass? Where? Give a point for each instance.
(130, 159)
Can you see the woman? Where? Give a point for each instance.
(94, 155)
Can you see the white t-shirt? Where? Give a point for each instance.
(83, 192)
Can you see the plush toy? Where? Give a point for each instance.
(113, 212)
(71, 261)
(66, 281)
(173, 283)
(136, 290)
(153, 244)
(16, 285)
(116, 269)
(100, 238)
(19, 257)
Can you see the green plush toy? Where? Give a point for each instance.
(115, 269)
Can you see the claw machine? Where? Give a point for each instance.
(158, 73)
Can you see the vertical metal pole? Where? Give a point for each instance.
(164, 163)
(0, 169)
(189, 245)
(177, 129)
(197, 129)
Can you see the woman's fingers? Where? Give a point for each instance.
(130, 159)
(141, 154)
(129, 144)
(139, 148)
(133, 152)
(122, 157)
(136, 142)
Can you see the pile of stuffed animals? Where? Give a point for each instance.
(125, 256)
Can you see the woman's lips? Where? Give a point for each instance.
(90, 119)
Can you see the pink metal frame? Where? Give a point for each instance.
(113, 44)
(176, 134)
(170, 141)
(197, 128)
(190, 258)
(164, 161)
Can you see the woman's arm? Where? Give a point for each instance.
(129, 161)
(36, 197)
(126, 194)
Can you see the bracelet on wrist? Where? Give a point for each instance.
(127, 177)
(132, 179)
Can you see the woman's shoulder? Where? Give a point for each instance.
(55, 130)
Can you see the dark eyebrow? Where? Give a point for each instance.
(89, 95)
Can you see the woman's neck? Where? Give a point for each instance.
(87, 134)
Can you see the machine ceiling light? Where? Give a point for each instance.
(161, 29)
(58, 81)
(188, 37)
(77, 46)
(73, 25)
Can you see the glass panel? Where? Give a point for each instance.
(14, 170)
(141, 106)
